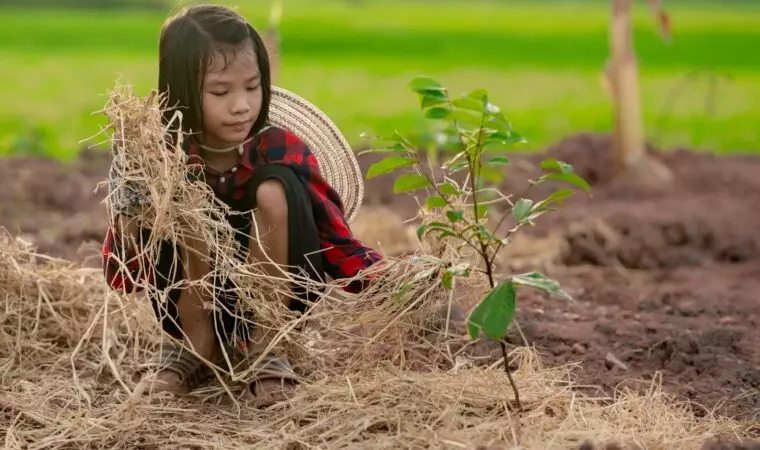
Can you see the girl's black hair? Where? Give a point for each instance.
(188, 43)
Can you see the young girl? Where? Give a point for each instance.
(213, 65)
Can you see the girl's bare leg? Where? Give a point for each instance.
(271, 217)
(196, 321)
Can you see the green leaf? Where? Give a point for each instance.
(449, 189)
(447, 280)
(435, 201)
(421, 230)
(503, 138)
(388, 165)
(459, 270)
(485, 234)
(437, 113)
(398, 137)
(522, 209)
(465, 117)
(538, 281)
(495, 313)
(469, 103)
(454, 216)
(397, 147)
(479, 94)
(423, 83)
(558, 196)
(498, 161)
(570, 178)
(481, 211)
(433, 98)
(498, 120)
(559, 166)
(410, 182)
(445, 230)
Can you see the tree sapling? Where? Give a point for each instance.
(483, 133)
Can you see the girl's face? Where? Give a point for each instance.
(232, 97)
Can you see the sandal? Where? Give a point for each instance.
(173, 356)
(272, 368)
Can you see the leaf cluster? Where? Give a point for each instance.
(484, 136)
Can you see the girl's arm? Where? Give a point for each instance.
(121, 265)
(344, 255)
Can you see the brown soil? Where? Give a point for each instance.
(664, 281)
(55, 206)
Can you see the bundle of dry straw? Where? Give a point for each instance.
(180, 209)
(68, 389)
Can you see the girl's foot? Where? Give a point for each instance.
(180, 371)
(276, 382)
(167, 381)
(270, 391)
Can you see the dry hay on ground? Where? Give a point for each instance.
(61, 369)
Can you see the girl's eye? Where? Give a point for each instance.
(253, 88)
(218, 94)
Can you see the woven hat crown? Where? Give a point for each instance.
(337, 161)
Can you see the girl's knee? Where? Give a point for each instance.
(271, 200)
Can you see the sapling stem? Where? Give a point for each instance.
(472, 160)
(509, 375)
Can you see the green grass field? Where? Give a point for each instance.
(541, 62)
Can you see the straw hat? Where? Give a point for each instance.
(335, 157)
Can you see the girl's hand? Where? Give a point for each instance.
(127, 231)
(127, 196)
(126, 227)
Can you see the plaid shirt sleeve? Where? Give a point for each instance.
(343, 254)
(121, 267)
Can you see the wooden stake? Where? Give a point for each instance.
(622, 79)
(629, 133)
(272, 40)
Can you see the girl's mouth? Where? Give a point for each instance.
(239, 126)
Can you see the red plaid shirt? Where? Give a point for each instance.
(343, 255)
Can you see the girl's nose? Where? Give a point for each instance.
(240, 107)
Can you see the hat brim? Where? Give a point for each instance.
(336, 159)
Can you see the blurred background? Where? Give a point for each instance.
(540, 60)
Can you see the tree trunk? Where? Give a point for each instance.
(622, 74)
(272, 40)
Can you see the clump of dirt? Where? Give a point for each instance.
(656, 238)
